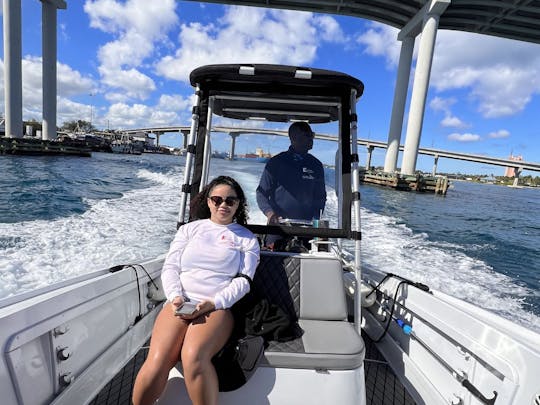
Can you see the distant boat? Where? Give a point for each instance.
(126, 145)
(259, 156)
(220, 155)
(125, 148)
(250, 157)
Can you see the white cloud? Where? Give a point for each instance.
(501, 75)
(451, 121)
(330, 29)
(501, 133)
(134, 84)
(444, 105)
(121, 115)
(249, 35)
(175, 103)
(381, 40)
(137, 25)
(69, 110)
(149, 19)
(464, 137)
(170, 110)
(69, 83)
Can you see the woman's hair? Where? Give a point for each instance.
(198, 207)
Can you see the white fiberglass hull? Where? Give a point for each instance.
(449, 351)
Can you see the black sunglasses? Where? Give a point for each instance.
(230, 201)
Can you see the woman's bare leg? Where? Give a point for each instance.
(165, 345)
(205, 337)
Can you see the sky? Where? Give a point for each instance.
(126, 64)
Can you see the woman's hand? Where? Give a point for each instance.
(177, 302)
(202, 308)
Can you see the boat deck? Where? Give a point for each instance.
(382, 386)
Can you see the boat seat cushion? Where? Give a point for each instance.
(304, 287)
(331, 345)
(310, 290)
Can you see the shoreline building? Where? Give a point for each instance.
(511, 171)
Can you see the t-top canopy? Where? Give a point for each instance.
(275, 92)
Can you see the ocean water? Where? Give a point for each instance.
(63, 216)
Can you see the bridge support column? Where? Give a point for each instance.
(430, 14)
(517, 172)
(435, 162)
(48, 43)
(369, 154)
(398, 107)
(233, 145)
(13, 68)
(185, 134)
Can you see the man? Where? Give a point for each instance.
(292, 184)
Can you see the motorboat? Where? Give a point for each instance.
(64, 343)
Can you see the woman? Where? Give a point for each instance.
(201, 266)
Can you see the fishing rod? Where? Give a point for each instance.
(461, 377)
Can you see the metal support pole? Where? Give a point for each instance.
(190, 156)
(356, 211)
(207, 145)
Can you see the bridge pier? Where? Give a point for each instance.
(435, 162)
(157, 134)
(370, 149)
(13, 66)
(185, 134)
(420, 86)
(517, 172)
(398, 107)
(49, 49)
(233, 144)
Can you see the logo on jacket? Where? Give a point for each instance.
(307, 174)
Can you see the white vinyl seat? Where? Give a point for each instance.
(310, 289)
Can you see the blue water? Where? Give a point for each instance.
(61, 217)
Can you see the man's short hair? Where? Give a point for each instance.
(299, 127)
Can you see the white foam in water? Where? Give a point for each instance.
(142, 223)
(391, 247)
(138, 225)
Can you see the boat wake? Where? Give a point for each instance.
(142, 222)
(392, 247)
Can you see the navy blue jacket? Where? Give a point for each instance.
(292, 185)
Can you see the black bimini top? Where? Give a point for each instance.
(275, 92)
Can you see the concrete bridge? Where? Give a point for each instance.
(234, 132)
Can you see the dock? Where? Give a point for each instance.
(418, 182)
(37, 147)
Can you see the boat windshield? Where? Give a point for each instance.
(293, 177)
